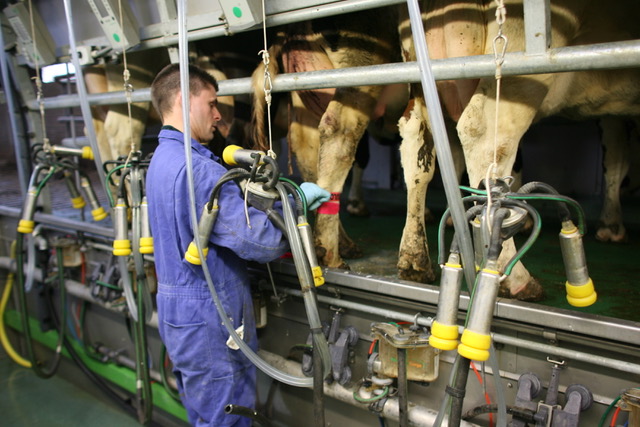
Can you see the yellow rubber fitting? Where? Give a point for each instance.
(121, 247)
(581, 295)
(192, 255)
(458, 266)
(473, 353)
(26, 226)
(474, 346)
(569, 230)
(445, 332)
(78, 202)
(227, 154)
(318, 278)
(146, 245)
(442, 344)
(87, 153)
(99, 214)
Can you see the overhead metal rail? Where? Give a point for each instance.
(536, 60)
(575, 58)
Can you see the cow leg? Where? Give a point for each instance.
(521, 98)
(356, 205)
(304, 139)
(418, 161)
(616, 149)
(95, 79)
(341, 127)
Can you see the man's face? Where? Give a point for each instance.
(204, 114)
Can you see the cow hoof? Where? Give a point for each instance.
(413, 275)
(612, 234)
(357, 208)
(531, 292)
(350, 251)
(323, 259)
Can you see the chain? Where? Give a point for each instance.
(128, 87)
(39, 94)
(499, 50)
(267, 78)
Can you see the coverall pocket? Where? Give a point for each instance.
(188, 345)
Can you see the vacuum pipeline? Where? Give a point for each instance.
(619, 365)
(417, 415)
(79, 290)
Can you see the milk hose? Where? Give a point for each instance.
(24, 315)
(314, 317)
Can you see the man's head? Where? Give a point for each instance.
(167, 100)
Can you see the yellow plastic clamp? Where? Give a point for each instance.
(318, 278)
(192, 255)
(78, 202)
(99, 214)
(121, 247)
(146, 245)
(581, 295)
(26, 226)
(474, 346)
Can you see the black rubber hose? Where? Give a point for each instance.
(24, 316)
(563, 210)
(318, 384)
(403, 388)
(247, 412)
(457, 394)
(495, 244)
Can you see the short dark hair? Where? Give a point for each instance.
(167, 84)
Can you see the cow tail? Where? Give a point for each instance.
(259, 103)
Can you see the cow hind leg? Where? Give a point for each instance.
(418, 160)
(341, 127)
(476, 132)
(616, 149)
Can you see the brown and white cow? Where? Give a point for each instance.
(326, 125)
(468, 27)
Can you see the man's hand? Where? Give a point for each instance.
(315, 195)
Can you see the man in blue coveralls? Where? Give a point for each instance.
(209, 373)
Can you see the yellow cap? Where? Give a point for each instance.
(444, 337)
(474, 346)
(87, 153)
(146, 245)
(192, 255)
(78, 202)
(581, 295)
(447, 332)
(227, 154)
(442, 344)
(121, 247)
(99, 214)
(26, 226)
(318, 278)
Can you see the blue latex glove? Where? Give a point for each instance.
(315, 195)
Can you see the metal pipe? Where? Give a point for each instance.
(315, 12)
(498, 338)
(624, 54)
(82, 93)
(418, 415)
(21, 158)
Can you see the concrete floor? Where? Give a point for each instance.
(27, 400)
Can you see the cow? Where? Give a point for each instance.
(468, 27)
(326, 125)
